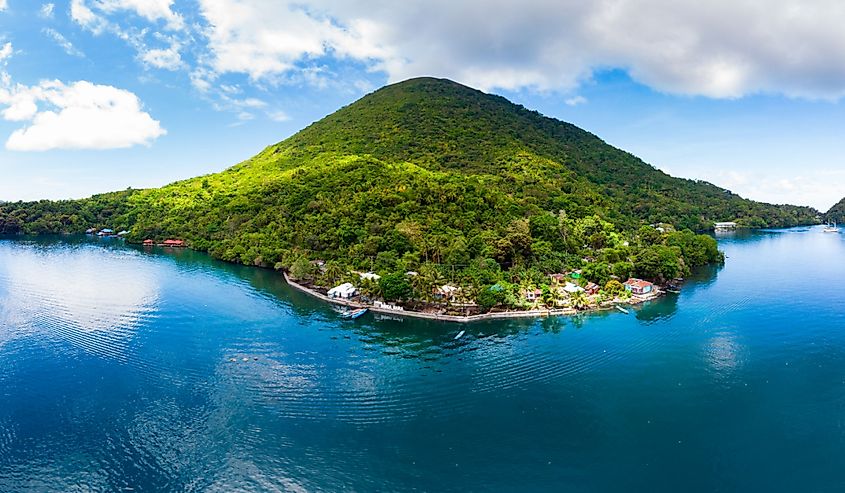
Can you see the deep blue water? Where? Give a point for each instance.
(116, 374)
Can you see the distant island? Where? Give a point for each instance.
(429, 195)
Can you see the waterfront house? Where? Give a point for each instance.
(725, 226)
(106, 232)
(571, 288)
(174, 243)
(149, 242)
(446, 292)
(638, 286)
(532, 295)
(345, 291)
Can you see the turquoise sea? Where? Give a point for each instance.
(127, 370)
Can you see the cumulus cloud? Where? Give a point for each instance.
(268, 37)
(151, 10)
(81, 115)
(163, 58)
(3, 5)
(719, 49)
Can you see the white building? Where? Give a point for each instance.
(369, 275)
(345, 290)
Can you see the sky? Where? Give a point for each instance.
(101, 95)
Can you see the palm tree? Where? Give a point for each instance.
(333, 272)
(579, 300)
(430, 278)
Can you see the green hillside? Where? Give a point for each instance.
(425, 171)
(836, 213)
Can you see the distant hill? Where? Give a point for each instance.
(422, 170)
(836, 213)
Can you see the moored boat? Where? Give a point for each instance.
(355, 313)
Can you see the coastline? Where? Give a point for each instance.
(549, 312)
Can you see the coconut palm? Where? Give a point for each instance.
(333, 272)
(578, 300)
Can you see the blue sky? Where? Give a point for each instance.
(100, 95)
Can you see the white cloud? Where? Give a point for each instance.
(166, 58)
(5, 52)
(3, 5)
(278, 116)
(720, 48)
(266, 37)
(575, 101)
(85, 17)
(46, 11)
(151, 10)
(63, 42)
(81, 115)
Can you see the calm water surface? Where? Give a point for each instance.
(116, 374)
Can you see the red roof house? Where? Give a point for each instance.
(638, 286)
(148, 242)
(174, 243)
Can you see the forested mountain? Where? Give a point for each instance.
(836, 213)
(423, 171)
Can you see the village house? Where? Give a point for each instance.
(532, 295)
(446, 292)
(592, 288)
(174, 243)
(570, 288)
(370, 276)
(638, 286)
(345, 291)
(149, 242)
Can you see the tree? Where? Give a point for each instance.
(490, 297)
(578, 300)
(395, 287)
(333, 272)
(302, 269)
(614, 287)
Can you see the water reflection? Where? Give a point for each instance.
(74, 292)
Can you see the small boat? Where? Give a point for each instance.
(621, 309)
(460, 334)
(831, 228)
(673, 291)
(355, 313)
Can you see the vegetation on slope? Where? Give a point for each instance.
(430, 174)
(836, 213)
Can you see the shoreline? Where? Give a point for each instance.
(548, 312)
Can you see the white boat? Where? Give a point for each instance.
(621, 309)
(831, 228)
(460, 334)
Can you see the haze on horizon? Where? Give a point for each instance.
(100, 95)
